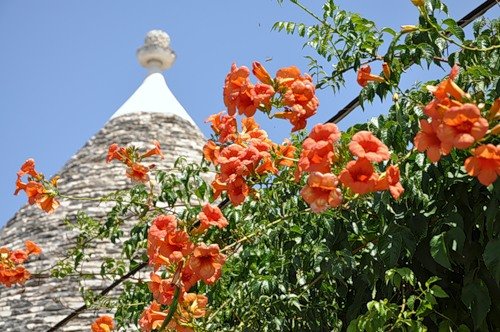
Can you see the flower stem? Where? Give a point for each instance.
(173, 308)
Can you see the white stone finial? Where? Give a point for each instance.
(156, 54)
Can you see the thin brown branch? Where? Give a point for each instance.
(105, 291)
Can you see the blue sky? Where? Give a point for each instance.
(67, 66)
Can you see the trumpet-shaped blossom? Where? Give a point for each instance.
(364, 76)
(261, 95)
(32, 248)
(28, 167)
(390, 181)
(301, 101)
(267, 166)
(285, 153)
(359, 176)
(131, 158)
(437, 107)
(161, 227)
(138, 173)
(11, 269)
(34, 191)
(494, 111)
(38, 190)
(163, 289)
(206, 261)
(218, 186)
(484, 163)
(223, 125)
(365, 145)
(261, 73)
(116, 152)
(211, 152)
(321, 192)
(386, 70)
(103, 324)
(193, 305)
(237, 190)
(211, 216)
(188, 278)
(166, 244)
(286, 76)
(156, 151)
(448, 87)
(236, 91)
(299, 96)
(462, 126)
(175, 246)
(152, 318)
(427, 140)
(18, 256)
(297, 118)
(318, 150)
(324, 132)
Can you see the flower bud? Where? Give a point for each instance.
(408, 28)
(386, 70)
(395, 97)
(418, 3)
(494, 110)
(496, 130)
(261, 73)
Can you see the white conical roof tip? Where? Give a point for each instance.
(156, 53)
(153, 95)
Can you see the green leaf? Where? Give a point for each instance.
(445, 326)
(476, 298)
(492, 214)
(455, 239)
(463, 328)
(427, 51)
(439, 251)
(389, 31)
(454, 29)
(201, 190)
(431, 280)
(407, 275)
(491, 258)
(437, 291)
(390, 247)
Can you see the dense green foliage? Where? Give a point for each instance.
(429, 261)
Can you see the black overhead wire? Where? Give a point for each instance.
(463, 22)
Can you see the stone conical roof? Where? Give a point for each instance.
(43, 302)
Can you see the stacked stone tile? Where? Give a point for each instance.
(43, 302)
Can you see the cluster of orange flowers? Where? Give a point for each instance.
(242, 156)
(103, 324)
(39, 191)
(455, 123)
(171, 247)
(131, 157)
(11, 269)
(359, 175)
(291, 89)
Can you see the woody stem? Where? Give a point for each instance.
(173, 308)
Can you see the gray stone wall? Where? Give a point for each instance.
(41, 303)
